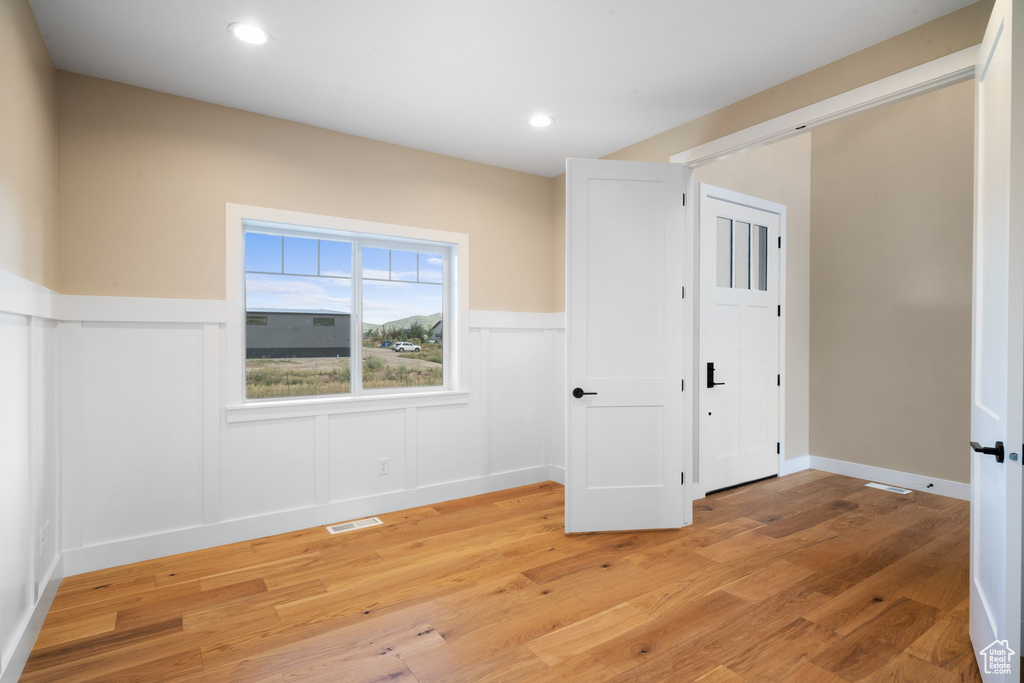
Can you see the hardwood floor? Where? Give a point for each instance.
(812, 577)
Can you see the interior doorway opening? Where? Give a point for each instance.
(878, 299)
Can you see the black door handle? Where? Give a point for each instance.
(579, 393)
(711, 377)
(997, 451)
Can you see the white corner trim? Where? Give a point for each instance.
(24, 297)
(556, 473)
(140, 309)
(932, 75)
(506, 320)
(34, 624)
(793, 465)
(115, 553)
(918, 482)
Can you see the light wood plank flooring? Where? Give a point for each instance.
(812, 577)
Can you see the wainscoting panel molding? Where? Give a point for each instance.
(31, 529)
(155, 466)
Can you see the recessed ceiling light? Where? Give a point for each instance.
(541, 121)
(248, 33)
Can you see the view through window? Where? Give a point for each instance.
(316, 305)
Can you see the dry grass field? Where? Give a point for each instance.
(382, 368)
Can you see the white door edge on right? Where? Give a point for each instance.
(997, 351)
(739, 368)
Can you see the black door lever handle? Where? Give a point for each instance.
(579, 393)
(711, 377)
(987, 450)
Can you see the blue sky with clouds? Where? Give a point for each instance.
(308, 273)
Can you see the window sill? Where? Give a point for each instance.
(337, 405)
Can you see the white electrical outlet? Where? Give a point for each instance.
(384, 466)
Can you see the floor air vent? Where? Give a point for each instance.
(886, 487)
(351, 526)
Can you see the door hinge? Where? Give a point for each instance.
(780, 310)
(682, 477)
(778, 448)
(682, 385)
(683, 296)
(780, 241)
(778, 380)
(684, 199)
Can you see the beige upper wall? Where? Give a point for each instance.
(945, 35)
(782, 173)
(891, 262)
(28, 149)
(144, 178)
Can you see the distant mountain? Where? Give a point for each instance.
(427, 321)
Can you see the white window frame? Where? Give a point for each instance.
(455, 321)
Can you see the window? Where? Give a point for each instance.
(327, 301)
(742, 252)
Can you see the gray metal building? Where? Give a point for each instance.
(281, 333)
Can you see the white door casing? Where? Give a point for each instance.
(739, 333)
(997, 349)
(625, 345)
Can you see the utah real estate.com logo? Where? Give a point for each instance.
(997, 657)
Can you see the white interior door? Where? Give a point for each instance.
(739, 386)
(624, 345)
(997, 374)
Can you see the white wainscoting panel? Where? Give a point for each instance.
(30, 528)
(450, 444)
(520, 361)
(142, 429)
(267, 467)
(154, 467)
(43, 440)
(16, 506)
(556, 416)
(357, 443)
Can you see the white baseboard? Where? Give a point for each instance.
(91, 558)
(34, 624)
(917, 482)
(792, 465)
(556, 473)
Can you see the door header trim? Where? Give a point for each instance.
(933, 75)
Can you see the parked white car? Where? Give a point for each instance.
(405, 346)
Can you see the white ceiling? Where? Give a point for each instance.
(461, 77)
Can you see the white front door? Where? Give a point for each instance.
(997, 371)
(740, 287)
(625, 345)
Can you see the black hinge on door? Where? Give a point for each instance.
(780, 241)
(684, 200)
(682, 385)
(682, 477)
(778, 448)
(683, 293)
(778, 380)
(780, 310)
